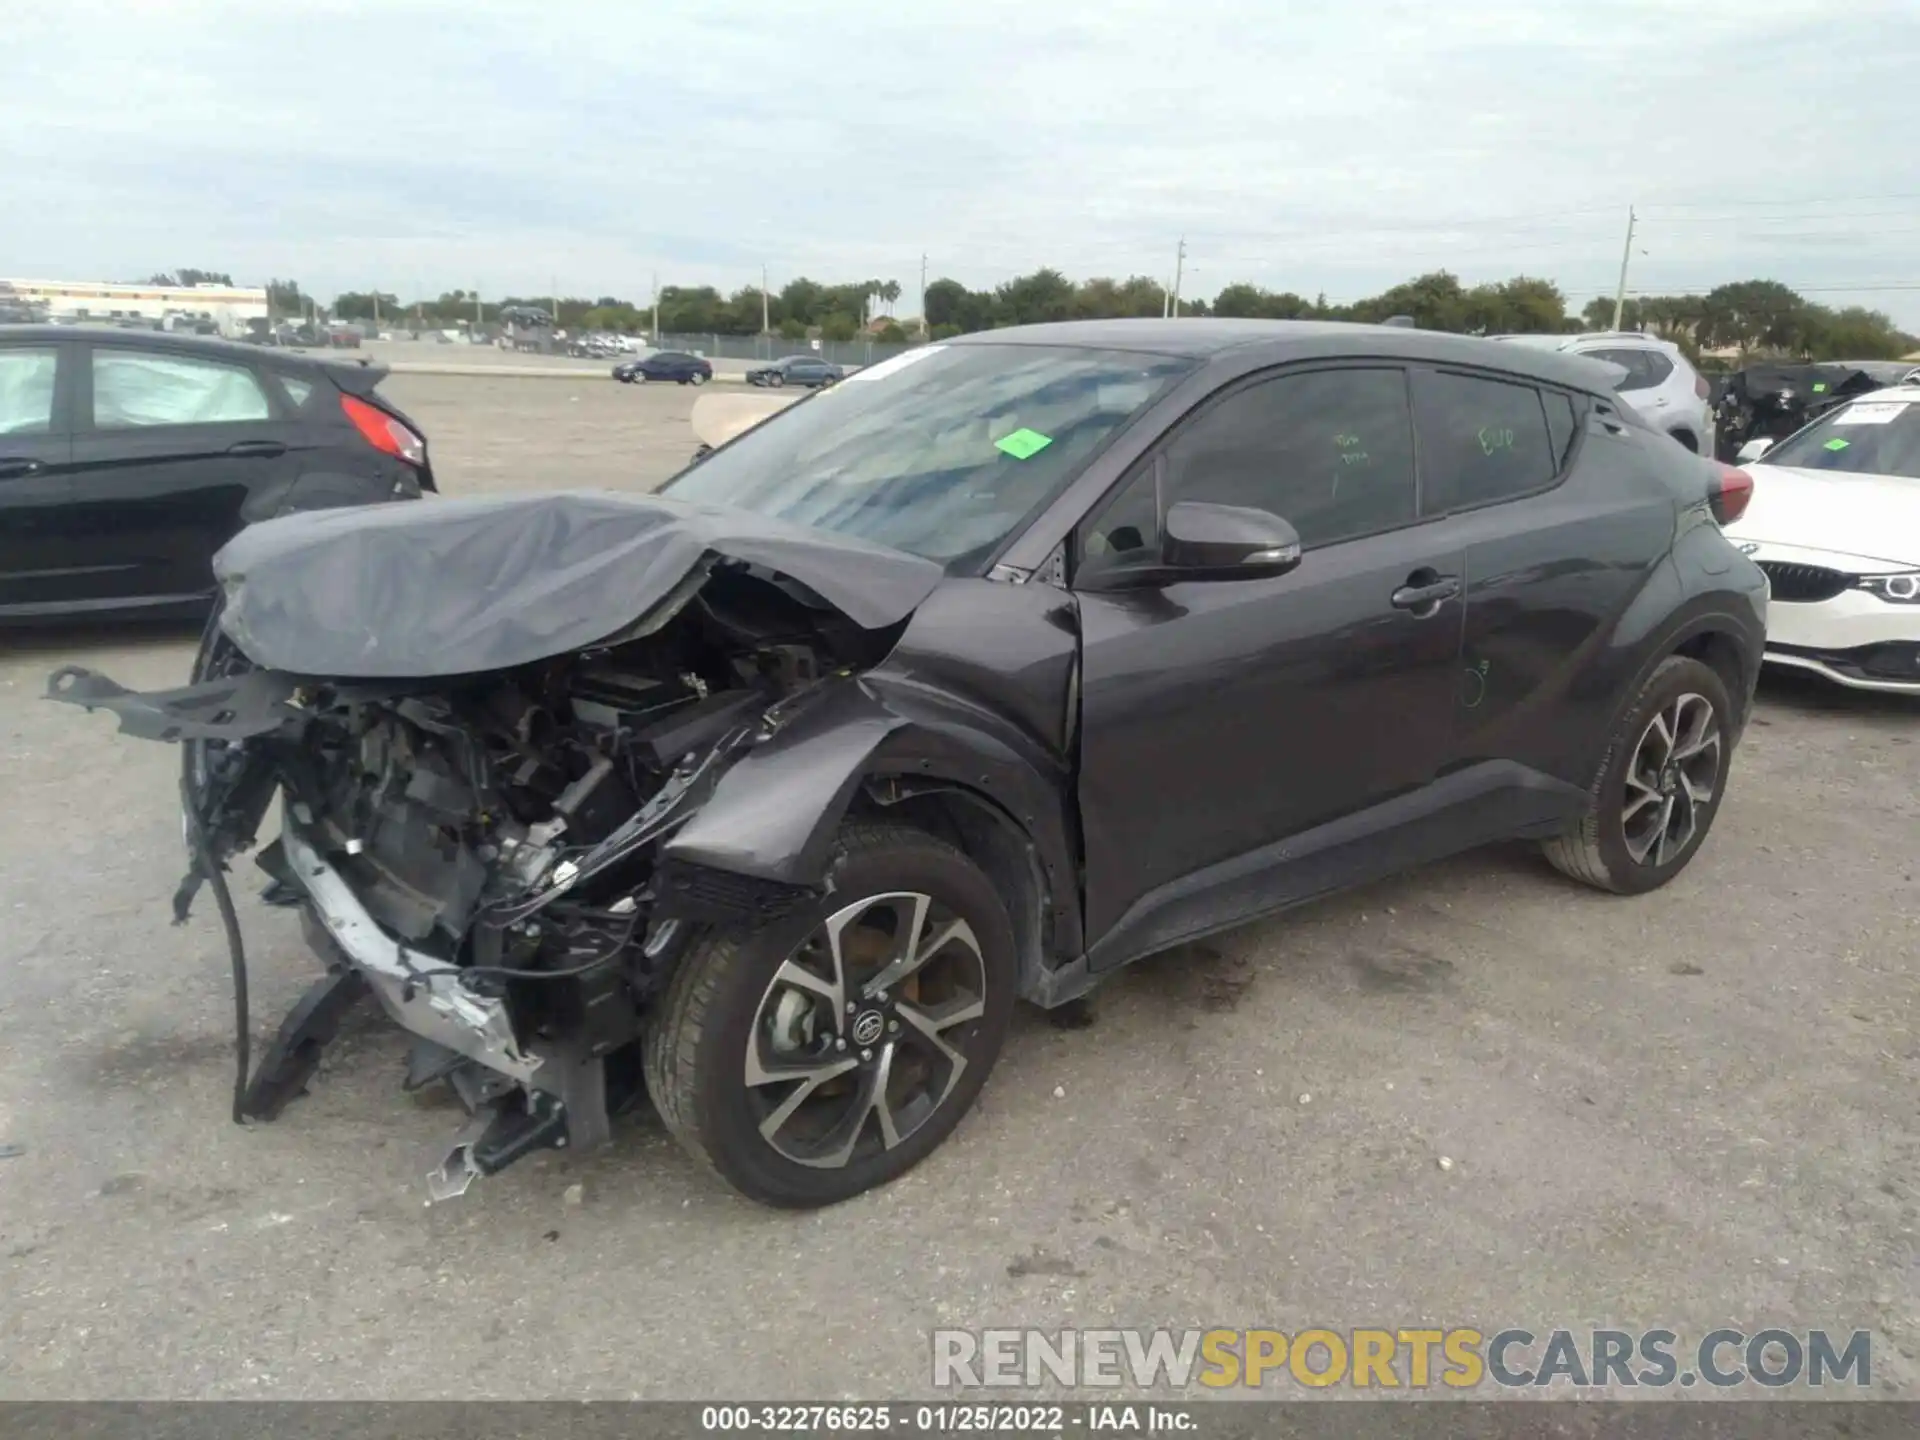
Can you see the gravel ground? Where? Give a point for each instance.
(1688, 1110)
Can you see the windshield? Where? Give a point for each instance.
(942, 451)
(1875, 436)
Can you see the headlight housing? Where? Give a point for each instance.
(1900, 588)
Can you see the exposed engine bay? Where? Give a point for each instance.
(481, 852)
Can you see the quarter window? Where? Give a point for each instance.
(134, 389)
(1481, 441)
(26, 391)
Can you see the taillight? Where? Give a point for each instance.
(1732, 488)
(385, 433)
(1700, 386)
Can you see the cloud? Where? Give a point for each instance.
(424, 144)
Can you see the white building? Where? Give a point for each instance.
(228, 307)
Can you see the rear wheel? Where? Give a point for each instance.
(1659, 785)
(830, 1052)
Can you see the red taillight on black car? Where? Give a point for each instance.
(1701, 387)
(384, 432)
(1728, 493)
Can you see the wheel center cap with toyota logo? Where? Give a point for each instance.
(867, 1026)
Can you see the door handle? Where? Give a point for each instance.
(15, 468)
(264, 448)
(1419, 597)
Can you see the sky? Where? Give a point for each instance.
(594, 145)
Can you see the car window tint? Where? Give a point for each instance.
(1560, 423)
(26, 391)
(297, 389)
(1330, 452)
(1657, 366)
(134, 389)
(1481, 440)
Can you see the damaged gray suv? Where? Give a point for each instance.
(967, 681)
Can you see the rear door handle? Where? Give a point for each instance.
(14, 469)
(1419, 597)
(265, 448)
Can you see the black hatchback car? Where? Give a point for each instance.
(675, 365)
(127, 458)
(1006, 664)
(808, 370)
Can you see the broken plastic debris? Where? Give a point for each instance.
(574, 1195)
(1446, 1162)
(1306, 1099)
(1023, 444)
(1059, 1092)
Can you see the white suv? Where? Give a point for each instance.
(1662, 387)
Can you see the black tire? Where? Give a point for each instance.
(696, 378)
(695, 1050)
(1599, 851)
(776, 379)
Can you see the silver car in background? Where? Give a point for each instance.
(1660, 384)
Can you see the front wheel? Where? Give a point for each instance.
(1659, 786)
(696, 378)
(776, 380)
(831, 1052)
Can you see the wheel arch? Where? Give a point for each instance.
(774, 816)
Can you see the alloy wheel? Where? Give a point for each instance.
(864, 1031)
(1672, 780)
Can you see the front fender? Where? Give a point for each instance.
(774, 814)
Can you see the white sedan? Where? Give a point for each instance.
(1835, 523)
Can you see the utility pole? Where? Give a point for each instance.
(1179, 264)
(376, 311)
(476, 310)
(653, 321)
(766, 326)
(555, 280)
(1626, 253)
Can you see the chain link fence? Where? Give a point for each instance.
(772, 347)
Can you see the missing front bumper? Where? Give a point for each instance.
(423, 995)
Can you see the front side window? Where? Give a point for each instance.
(943, 451)
(1877, 436)
(26, 391)
(1481, 441)
(1329, 451)
(134, 389)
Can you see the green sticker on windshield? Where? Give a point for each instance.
(1836, 444)
(1819, 387)
(1023, 444)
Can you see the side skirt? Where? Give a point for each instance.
(1493, 800)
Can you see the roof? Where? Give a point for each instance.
(1280, 341)
(210, 346)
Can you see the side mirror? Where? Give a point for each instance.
(1226, 542)
(1753, 450)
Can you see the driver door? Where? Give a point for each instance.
(1243, 743)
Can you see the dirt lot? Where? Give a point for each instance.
(1690, 1110)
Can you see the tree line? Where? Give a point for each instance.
(1750, 315)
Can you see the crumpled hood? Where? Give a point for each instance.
(455, 587)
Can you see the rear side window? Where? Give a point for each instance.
(1658, 368)
(1560, 424)
(298, 390)
(26, 391)
(134, 389)
(1481, 441)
